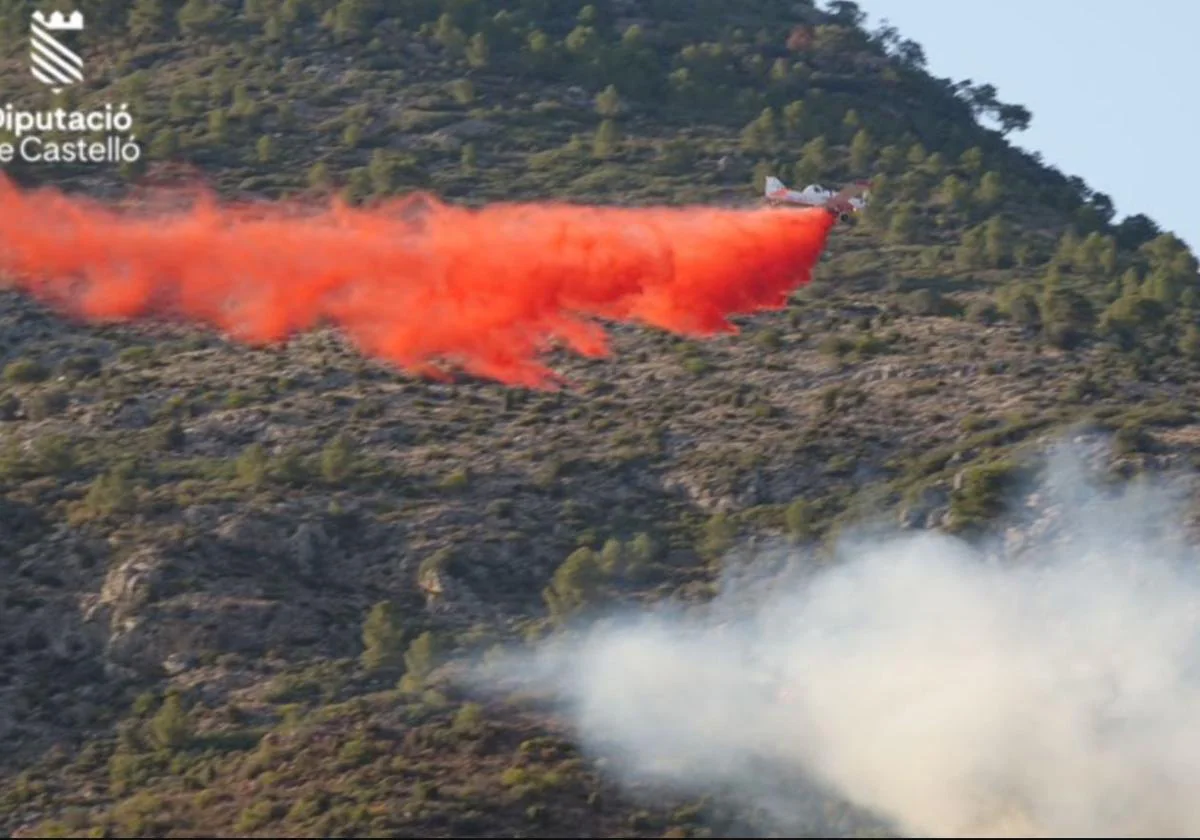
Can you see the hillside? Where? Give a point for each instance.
(238, 582)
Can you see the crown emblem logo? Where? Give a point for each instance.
(57, 21)
(52, 62)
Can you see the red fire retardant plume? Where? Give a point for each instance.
(414, 281)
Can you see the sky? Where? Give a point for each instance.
(1110, 83)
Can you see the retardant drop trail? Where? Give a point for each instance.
(416, 282)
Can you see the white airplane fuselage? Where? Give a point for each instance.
(812, 196)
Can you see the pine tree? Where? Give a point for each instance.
(608, 102)
(382, 637)
(479, 51)
(604, 144)
(861, 152)
(169, 728)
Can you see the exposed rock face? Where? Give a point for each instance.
(132, 584)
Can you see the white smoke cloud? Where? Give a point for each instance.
(947, 688)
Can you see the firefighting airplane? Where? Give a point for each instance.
(841, 204)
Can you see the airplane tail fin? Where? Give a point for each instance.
(773, 185)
